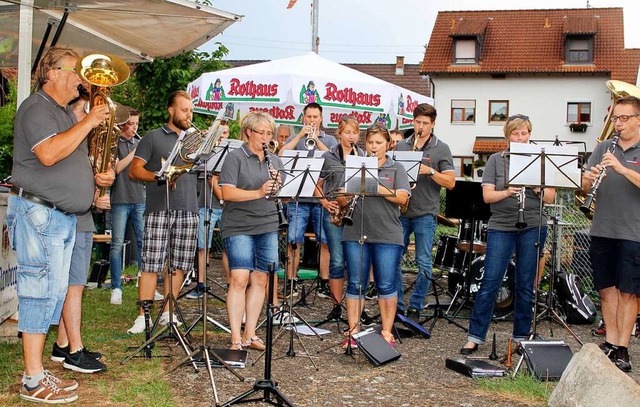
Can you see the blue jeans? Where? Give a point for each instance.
(334, 241)
(215, 215)
(43, 239)
(423, 228)
(500, 248)
(384, 259)
(252, 252)
(298, 222)
(120, 213)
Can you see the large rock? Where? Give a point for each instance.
(590, 379)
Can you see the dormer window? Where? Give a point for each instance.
(579, 49)
(468, 36)
(466, 51)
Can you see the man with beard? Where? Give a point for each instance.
(183, 208)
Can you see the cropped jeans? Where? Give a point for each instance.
(120, 213)
(384, 259)
(500, 248)
(334, 241)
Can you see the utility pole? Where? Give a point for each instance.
(315, 40)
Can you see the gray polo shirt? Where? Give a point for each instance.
(504, 213)
(126, 190)
(617, 214)
(85, 222)
(243, 169)
(425, 197)
(327, 140)
(333, 170)
(68, 184)
(212, 201)
(381, 217)
(153, 147)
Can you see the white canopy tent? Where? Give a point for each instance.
(283, 87)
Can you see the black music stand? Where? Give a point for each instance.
(465, 201)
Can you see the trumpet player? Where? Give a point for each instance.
(615, 242)
(331, 179)
(436, 171)
(182, 205)
(307, 209)
(504, 237)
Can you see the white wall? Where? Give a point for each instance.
(543, 99)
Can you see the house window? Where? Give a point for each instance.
(498, 111)
(463, 111)
(579, 50)
(465, 51)
(579, 112)
(463, 166)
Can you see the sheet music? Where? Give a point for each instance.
(290, 158)
(410, 160)
(353, 174)
(295, 177)
(561, 166)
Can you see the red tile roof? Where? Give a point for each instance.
(489, 145)
(532, 41)
(468, 26)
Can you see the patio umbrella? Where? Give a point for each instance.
(283, 87)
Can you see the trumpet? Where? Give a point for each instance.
(282, 219)
(586, 206)
(310, 142)
(520, 223)
(272, 146)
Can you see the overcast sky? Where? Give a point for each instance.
(368, 30)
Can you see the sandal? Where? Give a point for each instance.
(254, 343)
(236, 346)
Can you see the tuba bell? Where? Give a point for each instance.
(103, 72)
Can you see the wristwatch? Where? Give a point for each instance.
(432, 172)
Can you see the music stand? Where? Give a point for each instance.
(529, 164)
(465, 201)
(411, 161)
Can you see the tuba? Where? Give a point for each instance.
(618, 90)
(102, 72)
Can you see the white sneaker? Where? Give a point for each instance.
(157, 296)
(138, 326)
(116, 296)
(164, 319)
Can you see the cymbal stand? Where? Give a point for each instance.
(467, 276)
(438, 310)
(266, 386)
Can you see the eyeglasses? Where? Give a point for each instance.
(518, 116)
(263, 132)
(623, 118)
(67, 68)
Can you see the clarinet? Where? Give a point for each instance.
(596, 183)
(282, 220)
(520, 223)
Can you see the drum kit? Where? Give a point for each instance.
(452, 256)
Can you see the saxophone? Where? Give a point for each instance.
(405, 206)
(337, 217)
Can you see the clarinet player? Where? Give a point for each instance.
(250, 225)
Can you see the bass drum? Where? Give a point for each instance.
(506, 294)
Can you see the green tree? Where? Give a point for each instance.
(152, 83)
(7, 116)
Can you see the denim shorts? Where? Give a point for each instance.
(43, 239)
(216, 215)
(81, 258)
(252, 252)
(615, 263)
(298, 222)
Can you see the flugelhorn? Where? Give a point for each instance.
(589, 199)
(520, 223)
(282, 219)
(102, 72)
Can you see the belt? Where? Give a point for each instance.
(34, 198)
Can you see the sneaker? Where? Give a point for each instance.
(621, 359)
(335, 314)
(116, 296)
(195, 294)
(324, 291)
(292, 285)
(58, 354)
(372, 292)
(413, 314)
(600, 330)
(138, 326)
(157, 296)
(81, 362)
(164, 319)
(354, 344)
(366, 320)
(48, 392)
(285, 318)
(63, 384)
(607, 350)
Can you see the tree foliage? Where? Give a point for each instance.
(7, 116)
(151, 84)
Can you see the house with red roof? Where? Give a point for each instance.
(551, 65)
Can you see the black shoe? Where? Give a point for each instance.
(607, 349)
(372, 292)
(82, 362)
(621, 359)
(413, 314)
(59, 354)
(324, 291)
(366, 320)
(469, 351)
(335, 314)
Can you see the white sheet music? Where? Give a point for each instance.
(410, 160)
(295, 177)
(561, 168)
(353, 174)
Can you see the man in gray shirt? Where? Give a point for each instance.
(436, 171)
(182, 208)
(308, 208)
